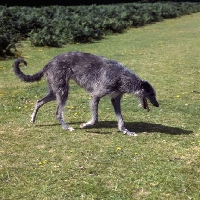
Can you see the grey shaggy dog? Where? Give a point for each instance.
(97, 75)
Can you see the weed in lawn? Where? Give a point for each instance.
(42, 161)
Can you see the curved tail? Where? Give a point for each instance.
(24, 77)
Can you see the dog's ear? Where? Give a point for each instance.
(146, 86)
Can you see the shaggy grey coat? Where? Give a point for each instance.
(97, 75)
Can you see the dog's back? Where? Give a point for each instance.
(89, 71)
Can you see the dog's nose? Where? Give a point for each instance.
(156, 104)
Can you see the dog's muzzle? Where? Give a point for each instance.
(145, 103)
(154, 102)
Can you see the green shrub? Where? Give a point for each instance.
(57, 25)
(6, 41)
(47, 36)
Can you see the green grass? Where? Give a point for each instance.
(42, 161)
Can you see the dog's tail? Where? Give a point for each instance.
(24, 77)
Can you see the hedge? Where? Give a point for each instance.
(58, 25)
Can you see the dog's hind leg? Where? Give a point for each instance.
(94, 108)
(117, 108)
(49, 97)
(61, 98)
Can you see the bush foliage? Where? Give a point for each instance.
(57, 25)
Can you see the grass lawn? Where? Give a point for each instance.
(42, 161)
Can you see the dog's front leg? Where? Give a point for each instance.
(117, 108)
(94, 108)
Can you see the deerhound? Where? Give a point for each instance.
(97, 75)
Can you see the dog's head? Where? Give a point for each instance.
(145, 92)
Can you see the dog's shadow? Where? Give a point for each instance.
(141, 127)
(138, 127)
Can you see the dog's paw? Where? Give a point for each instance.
(70, 129)
(83, 125)
(127, 132)
(132, 134)
(67, 128)
(88, 124)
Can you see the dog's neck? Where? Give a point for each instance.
(131, 84)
